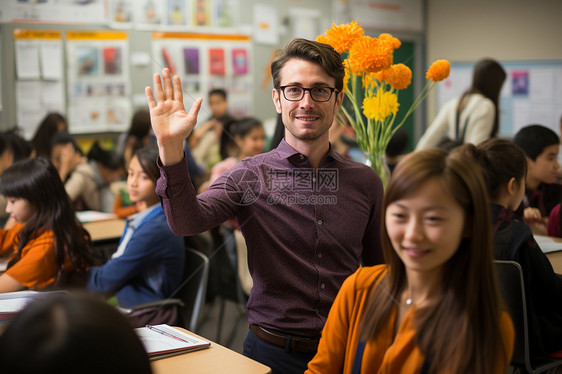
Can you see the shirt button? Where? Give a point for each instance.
(322, 286)
(319, 221)
(301, 157)
(319, 255)
(314, 179)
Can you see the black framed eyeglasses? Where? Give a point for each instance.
(296, 93)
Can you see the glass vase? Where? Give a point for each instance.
(377, 161)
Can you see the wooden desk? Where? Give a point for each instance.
(105, 229)
(552, 248)
(555, 259)
(216, 359)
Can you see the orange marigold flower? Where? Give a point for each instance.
(369, 55)
(342, 37)
(394, 42)
(322, 39)
(399, 76)
(439, 70)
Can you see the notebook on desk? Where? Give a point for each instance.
(162, 341)
(11, 303)
(548, 243)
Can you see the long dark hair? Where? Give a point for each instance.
(241, 128)
(41, 141)
(37, 181)
(487, 79)
(459, 330)
(500, 160)
(110, 160)
(147, 159)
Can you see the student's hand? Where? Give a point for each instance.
(531, 215)
(533, 218)
(171, 124)
(69, 160)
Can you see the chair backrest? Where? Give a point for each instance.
(512, 286)
(194, 287)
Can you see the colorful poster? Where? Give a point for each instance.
(520, 82)
(224, 13)
(239, 61)
(150, 13)
(216, 61)
(176, 12)
(201, 13)
(191, 60)
(112, 60)
(168, 61)
(88, 60)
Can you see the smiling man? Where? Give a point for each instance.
(310, 217)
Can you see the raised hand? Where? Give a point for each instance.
(171, 124)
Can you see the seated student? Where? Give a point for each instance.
(436, 304)
(138, 136)
(47, 244)
(504, 167)
(148, 264)
(64, 334)
(540, 145)
(75, 171)
(108, 168)
(248, 137)
(204, 141)
(41, 141)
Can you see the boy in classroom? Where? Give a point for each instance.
(205, 140)
(542, 193)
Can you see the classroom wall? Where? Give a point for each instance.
(263, 105)
(507, 30)
(140, 42)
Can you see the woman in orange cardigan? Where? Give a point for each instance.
(435, 306)
(47, 245)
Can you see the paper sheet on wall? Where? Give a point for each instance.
(51, 60)
(305, 23)
(266, 24)
(27, 60)
(29, 109)
(52, 96)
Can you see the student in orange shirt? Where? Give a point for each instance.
(435, 306)
(47, 244)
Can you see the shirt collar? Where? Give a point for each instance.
(136, 219)
(284, 150)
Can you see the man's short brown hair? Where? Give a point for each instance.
(308, 50)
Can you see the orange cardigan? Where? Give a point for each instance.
(37, 267)
(338, 345)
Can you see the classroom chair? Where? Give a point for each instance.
(512, 287)
(227, 284)
(190, 295)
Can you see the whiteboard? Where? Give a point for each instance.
(531, 94)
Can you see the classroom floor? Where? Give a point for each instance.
(209, 325)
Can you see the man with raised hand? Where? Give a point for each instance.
(310, 216)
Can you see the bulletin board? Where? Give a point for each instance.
(204, 62)
(531, 94)
(39, 82)
(98, 81)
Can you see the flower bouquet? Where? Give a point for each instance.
(371, 77)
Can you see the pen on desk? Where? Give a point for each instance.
(165, 333)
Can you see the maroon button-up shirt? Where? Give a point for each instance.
(306, 230)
